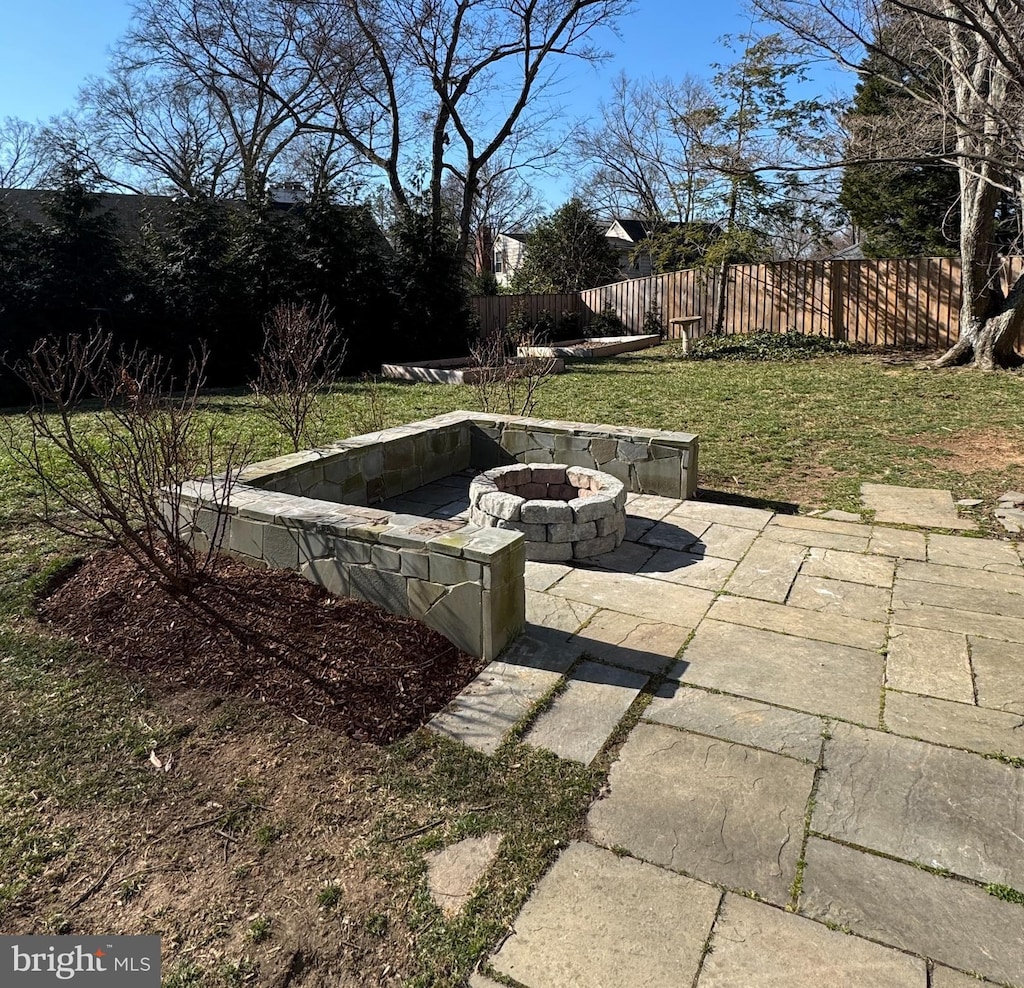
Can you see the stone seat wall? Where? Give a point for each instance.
(313, 511)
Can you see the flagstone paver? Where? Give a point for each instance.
(542, 576)
(505, 692)
(674, 533)
(832, 597)
(734, 718)
(960, 576)
(837, 628)
(836, 515)
(580, 720)
(922, 803)
(820, 539)
(657, 600)
(637, 527)
(921, 506)
(598, 919)
(724, 514)
(816, 677)
(627, 558)
(946, 977)
(767, 571)
(833, 564)
(935, 663)
(557, 613)
(915, 615)
(650, 506)
(627, 640)
(950, 921)
(688, 569)
(998, 674)
(725, 541)
(808, 524)
(961, 597)
(898, 543)
(986, 554)
(757, 945)
(959, 725)
(718, 811)
(454, 871)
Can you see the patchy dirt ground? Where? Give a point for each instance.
(247, 857)
(974, 451)
(244, 809)
(340, 663)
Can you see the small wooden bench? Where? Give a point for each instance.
(688, 329)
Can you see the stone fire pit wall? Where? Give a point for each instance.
(314, 512)
(563, 512)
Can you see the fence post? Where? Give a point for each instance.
(837, 300)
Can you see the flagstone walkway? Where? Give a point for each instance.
(822, 783)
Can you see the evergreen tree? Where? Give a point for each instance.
(901, 209)
(567, 252)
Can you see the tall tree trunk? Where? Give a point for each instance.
(990, 319)
(723, 268)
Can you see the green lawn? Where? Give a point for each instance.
(309, 849)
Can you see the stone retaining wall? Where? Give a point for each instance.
(312, 512)
(462, 580)
(647, 461)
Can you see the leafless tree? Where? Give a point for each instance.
(235, 64)
(505, 382)
(445, 84)
(22, 162)
(961, 62)
(110, 437)
(156, 130)
(641, 158)
(301, 359)
(506, 201)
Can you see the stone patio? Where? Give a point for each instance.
(822, 783)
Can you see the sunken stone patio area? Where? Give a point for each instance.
(385, 516)
(813, 729)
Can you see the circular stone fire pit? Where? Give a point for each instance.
(564, 512)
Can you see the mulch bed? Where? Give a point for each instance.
(344, 664)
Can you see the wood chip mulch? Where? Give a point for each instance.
(343, 664)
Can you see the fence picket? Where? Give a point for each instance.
(908, 300)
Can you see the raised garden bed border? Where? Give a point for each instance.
(597, 346)
(454, 370)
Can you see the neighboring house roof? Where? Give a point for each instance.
(131, 212)
(27, 206)
(632, 231)
(521, 235)
(855, 252)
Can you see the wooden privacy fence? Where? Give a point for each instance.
(902, 302)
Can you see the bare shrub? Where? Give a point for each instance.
(301, 359)
(110, 439)
(368, 409)
(504, 382)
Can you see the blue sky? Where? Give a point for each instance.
(48, 47)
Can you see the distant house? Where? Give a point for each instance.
(625, 236)
(508, 251)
